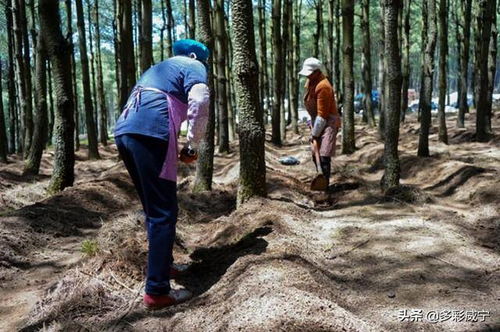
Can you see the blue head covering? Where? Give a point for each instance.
(188, 46)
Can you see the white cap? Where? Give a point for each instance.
(310, 65)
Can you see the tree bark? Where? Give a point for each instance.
(170, 26)
(429, 14)
(58, 52)
(192, 20)
(13, 125)
(3, 131)
(252, 180)
(443, 54)
(296, 59)
(406, 58)
(381, 75)
(93, 151)
(222, 98)
(486, 13)
(264, 85)
(336, 65)
(32, 165)
(101, 101)
(92, 67)
(392, 95)
(51, 105)
(492, 69)
(466, 10)
(319, 28)
(366, 67)
(278, 69)
(146, 36)
(205, 165)
(348, 139)
(125, 50)
(286, 60)
(28, 116)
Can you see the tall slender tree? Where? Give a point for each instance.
(170, 27)
(284, 74)
(463, 106)
(69, 36)
(392, 94)
(3, 131)
(28, 115)
(429, 15)
(296, 65)
(11, 87)
(146, 36)
(486, 13)
(366, 67)
(336, 62)
(492, 69)
(92, 65)
(101, 101)
(205, 165)
(222, 82)
(32, 165)
(264, 84)
(443, 55)
(93, 151)
(406, 69)
(252, 135)
(348, 139)
(277, 46)
(58, 52)
(125, 50)
(192, 20)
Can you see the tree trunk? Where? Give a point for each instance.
(59, 54)
(319, 28)
(20, 77)
(296, 59)
(278, 68)
(11, 81)
(170, 27)
(32, 165)
(101, 101)
(28, 116)
(222, 98)
(492, 69)
(205, 165)
(3, 131)
(406, 58)
(392, 95)
(264, 85)
(74, 90)
(366, 67)
(336, 64)
(92, 68)
(348, 139)
(252, 180)
(125, 50)
(292, 70)
(192, 20)
(429, 14)
(146, 36)
(466, 9)
(51, 105)
(93, 152)
(486, 13)
(443, 54)
(381, 75)
(162, 30)
(286, 60)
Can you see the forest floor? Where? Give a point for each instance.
(349, 260)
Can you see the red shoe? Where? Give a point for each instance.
(175, 296)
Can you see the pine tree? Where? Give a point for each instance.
(252, 135)
(348, 139)
(59, 54)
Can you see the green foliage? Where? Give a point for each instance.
(90, 248)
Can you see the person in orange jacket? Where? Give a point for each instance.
(319, 101)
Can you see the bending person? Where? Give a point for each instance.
(146, 134)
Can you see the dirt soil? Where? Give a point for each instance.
(348, 260)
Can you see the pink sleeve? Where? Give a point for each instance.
(199, 103)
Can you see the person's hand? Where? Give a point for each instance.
(188, 155)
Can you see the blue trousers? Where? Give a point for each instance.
(143, 157)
